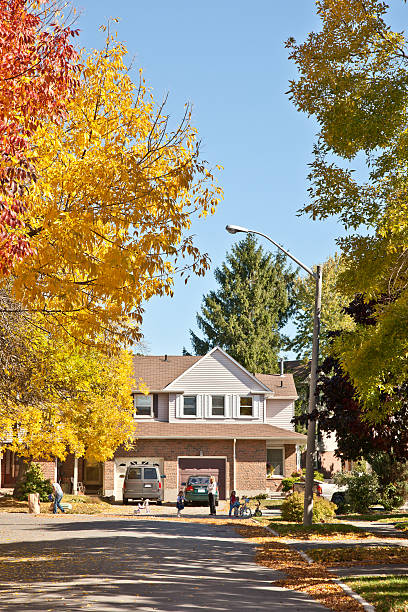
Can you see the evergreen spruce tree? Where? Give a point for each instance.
(245, 315)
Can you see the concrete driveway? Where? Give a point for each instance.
(122, 565)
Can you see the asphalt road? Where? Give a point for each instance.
(122, 565)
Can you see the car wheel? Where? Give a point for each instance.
(125, 501)
(159, 502)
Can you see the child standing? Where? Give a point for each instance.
(234, 502)
(180, 503)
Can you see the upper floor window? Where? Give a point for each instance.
(217, 405)
(190, 405)
(143, 405)
(245, 406)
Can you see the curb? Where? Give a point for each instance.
(367, 606)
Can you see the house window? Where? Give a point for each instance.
(143, 405)
(190, 405)
(217, 405)
(245, 406)
(274, 461)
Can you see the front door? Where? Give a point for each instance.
(92, 475)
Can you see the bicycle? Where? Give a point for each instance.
(244, 511)
(258, 511)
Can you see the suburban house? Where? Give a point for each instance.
(204, 415)
(210, 415)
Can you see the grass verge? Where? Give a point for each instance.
(360, 555)
(386, 593)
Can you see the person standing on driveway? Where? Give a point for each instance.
(212, 490)
(57, 497)
(180, 503)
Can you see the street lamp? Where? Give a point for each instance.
(311, 427)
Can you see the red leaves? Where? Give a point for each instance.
(37, 77)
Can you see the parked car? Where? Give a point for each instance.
(143, 481)
(196, 490)
(339, 498)
(299, 486)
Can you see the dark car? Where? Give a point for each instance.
(196, 490)
(339, 498)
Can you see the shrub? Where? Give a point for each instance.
(287, 483)
(260, 496)
(292, 508)
(392, 479)
(34, 482)
(362, 490)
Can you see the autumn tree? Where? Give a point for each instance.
(353, 77)
(77, 400)
(110, 213)
(245, 315)
(37, 78)
(333, 316)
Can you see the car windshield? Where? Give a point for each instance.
(199, 480)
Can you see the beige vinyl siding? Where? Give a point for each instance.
(163, 407)
(216, 374)
(204, 409)
(279, 412)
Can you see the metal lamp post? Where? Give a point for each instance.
(311, 428)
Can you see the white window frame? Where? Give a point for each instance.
(246, 416)
(282, 449)
(142, 416)
(217, 416)
(190, 416)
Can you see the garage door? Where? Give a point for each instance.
(204, 466)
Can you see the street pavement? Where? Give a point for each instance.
(126, 564)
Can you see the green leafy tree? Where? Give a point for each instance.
(333, 317)
(353, 79)
(253, 302)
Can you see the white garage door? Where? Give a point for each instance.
(121, 464)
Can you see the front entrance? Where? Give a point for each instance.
(92, 476)
(204, 466)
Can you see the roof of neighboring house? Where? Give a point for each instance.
(223, 431)
(299, 368)
(158, 371)
(282, 386)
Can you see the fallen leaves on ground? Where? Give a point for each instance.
(315, 579)
(320, 531)
(360, 555)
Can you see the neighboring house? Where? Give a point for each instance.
(204, 415)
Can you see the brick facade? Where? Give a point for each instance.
(250, 462)
(48, 469)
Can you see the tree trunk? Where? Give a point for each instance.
(23, 465)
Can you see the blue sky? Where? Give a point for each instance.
(228, 59)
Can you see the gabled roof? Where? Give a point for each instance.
(160, 371)
(219, 350)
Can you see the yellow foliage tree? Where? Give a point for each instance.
(83, 403)
(110, 212)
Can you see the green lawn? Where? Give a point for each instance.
(376, 515)
(386, 593)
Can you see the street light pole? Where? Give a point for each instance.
(311, 427)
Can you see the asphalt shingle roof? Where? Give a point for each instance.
(223, 431)
(157, 371)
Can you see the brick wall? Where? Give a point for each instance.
(48, 469)
(108, 478)
(290, 459)
(250, 461)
